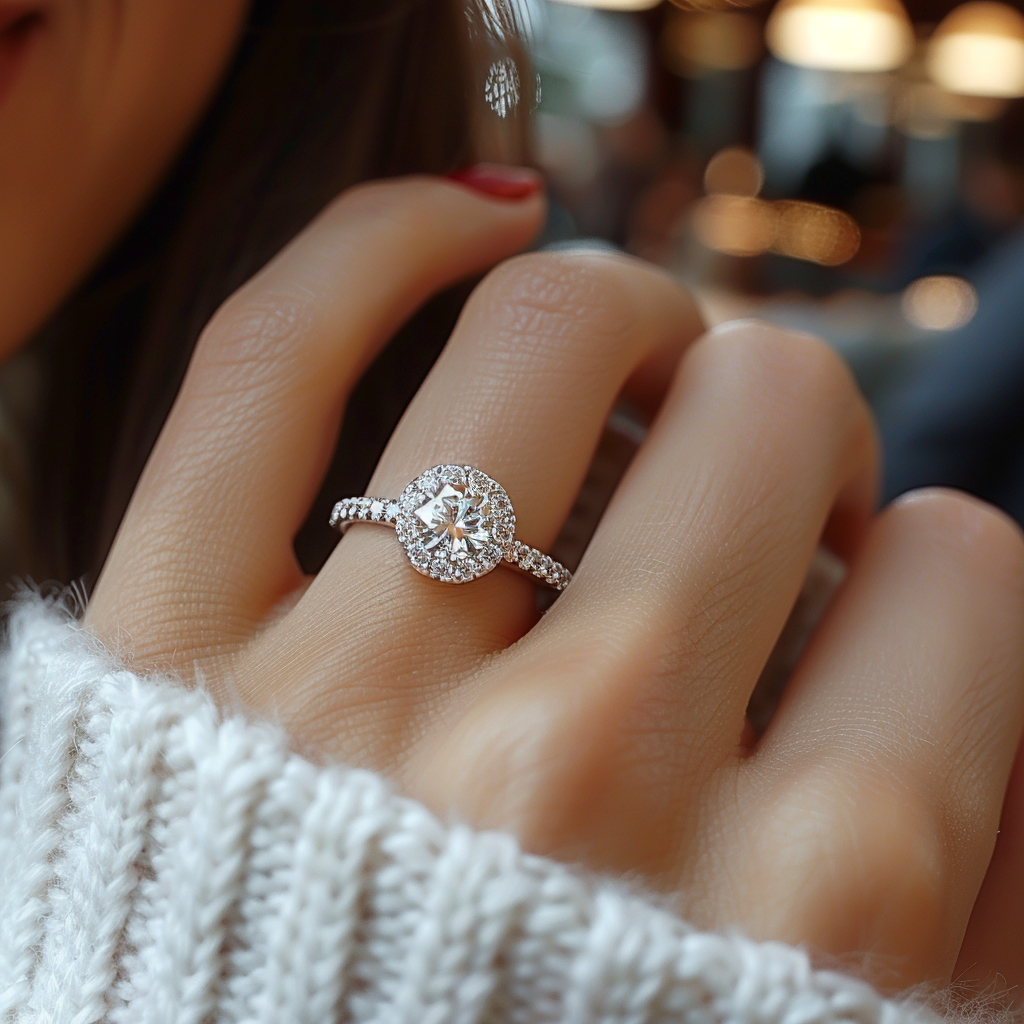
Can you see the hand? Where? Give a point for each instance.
(611, 731)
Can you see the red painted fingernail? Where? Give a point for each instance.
(500, 181)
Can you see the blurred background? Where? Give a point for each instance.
(853, 168)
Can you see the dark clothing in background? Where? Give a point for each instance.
(959, 421)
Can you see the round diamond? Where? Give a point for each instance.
(456, 523)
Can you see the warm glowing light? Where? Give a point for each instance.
(979, 50)
(613, 5)
(841, 35)
(735, 225)
(741, 225)
(940, 303)
(734, 171)
(711, 41)
(818, 234)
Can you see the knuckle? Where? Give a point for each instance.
(987, 540)
(903, 861)
(560, 299)
(788, 368)
(256, 327)
(412, 215)
(862, 847)
(785, 360)
(400, 205)
(370, 196)
(266, 319)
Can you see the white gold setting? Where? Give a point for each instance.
(456, 525)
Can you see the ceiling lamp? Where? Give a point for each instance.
(978, 50)
(614, 5)
(841, 35)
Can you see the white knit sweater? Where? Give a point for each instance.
(161, 863)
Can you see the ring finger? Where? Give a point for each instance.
(522, 392)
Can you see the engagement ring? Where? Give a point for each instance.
(456, 524)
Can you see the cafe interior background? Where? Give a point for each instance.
(845, 167)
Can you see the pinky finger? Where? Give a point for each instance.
(992, 955)
(907, 709)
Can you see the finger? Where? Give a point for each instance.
(241, 455)
(905, 714)
(632, 691)
(691, 574)
(991, 958)
(522, 392)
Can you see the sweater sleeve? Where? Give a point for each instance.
(161, 863)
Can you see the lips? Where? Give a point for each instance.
(19, 24)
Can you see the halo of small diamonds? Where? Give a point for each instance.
(455, 523)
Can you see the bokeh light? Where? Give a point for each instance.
(941, 302)
(979, 50)
(741, 225)
(735, 225)
(775, 154)
(711, 41)
(816, 233)
(734, 171)
(841, 35)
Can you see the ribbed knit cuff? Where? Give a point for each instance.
(162, 863)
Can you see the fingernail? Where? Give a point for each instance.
(499, 181)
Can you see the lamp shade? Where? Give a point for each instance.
(841, 35)
(978, 50)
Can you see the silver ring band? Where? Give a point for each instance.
(456, 525)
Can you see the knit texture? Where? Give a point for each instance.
(163, 864)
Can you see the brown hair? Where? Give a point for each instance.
(321, 94)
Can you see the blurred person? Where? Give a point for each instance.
(959, 419)
(178, 838)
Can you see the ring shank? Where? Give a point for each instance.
(364, 510)
(384, 512)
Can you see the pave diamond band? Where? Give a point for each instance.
(456, 524)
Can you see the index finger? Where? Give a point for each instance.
(240, 458)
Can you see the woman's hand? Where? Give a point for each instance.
(611, 731)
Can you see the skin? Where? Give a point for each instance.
(610, 732)
(100, 106)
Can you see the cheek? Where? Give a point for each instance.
(107, 92)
